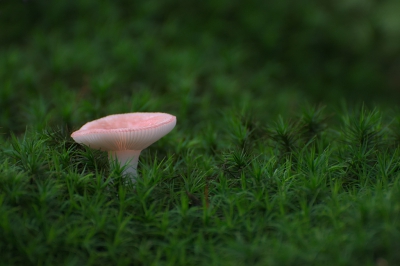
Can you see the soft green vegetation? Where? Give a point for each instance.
(286, 150)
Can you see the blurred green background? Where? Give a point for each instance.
(65, 62)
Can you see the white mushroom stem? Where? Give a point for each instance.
(128, 158)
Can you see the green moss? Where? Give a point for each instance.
(266, 165)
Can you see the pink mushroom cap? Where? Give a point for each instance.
(132, 131)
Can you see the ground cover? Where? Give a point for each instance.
(286, 149)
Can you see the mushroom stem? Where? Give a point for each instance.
(129, 158)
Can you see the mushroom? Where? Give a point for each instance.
(124, 136)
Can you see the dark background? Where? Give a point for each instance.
(280, 51)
